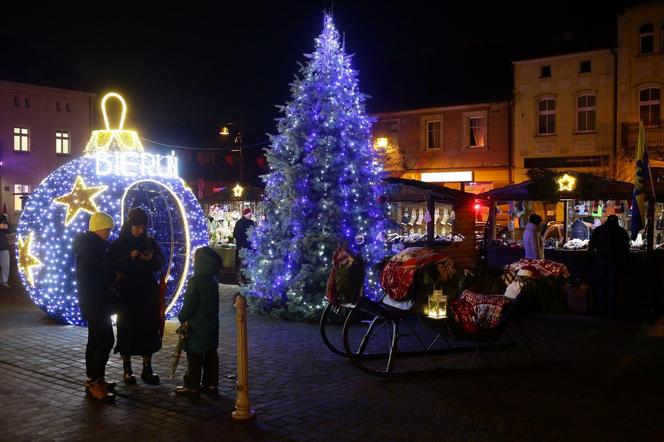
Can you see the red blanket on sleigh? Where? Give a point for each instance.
(473, 311)
(398, 276)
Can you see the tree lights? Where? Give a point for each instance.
(61, 205)
(322, 189)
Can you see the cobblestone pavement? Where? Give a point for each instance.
(609, 387)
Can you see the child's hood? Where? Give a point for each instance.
(207, 262)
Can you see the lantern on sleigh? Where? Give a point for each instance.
(437, 303)
(437, 300)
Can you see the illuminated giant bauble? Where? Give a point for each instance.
(113, 176)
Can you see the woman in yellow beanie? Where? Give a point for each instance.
(95, 276)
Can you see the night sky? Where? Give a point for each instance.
(233, 62)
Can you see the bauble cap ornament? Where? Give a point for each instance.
(110, 140)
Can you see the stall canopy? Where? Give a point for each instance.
(402, 189)
(555, 186)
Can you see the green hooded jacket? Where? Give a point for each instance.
(201, 303)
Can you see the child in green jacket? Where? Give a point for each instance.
(200, 311)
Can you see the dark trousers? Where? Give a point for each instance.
(100, 343)
(605, 274)
(208, 362)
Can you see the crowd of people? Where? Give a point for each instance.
(607, 252)
(121, 277)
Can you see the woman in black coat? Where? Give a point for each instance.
(138, 257)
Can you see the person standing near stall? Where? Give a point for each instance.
(608, 250)
(138, 257)
(241, 239)
(532, 240)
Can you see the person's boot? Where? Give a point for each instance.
(99, 392)
(186, 391)
(210, 389)
(148, 375)
(110, 386)
(128, 375)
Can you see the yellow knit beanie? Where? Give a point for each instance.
(101, 221)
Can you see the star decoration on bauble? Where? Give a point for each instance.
(26, 260)
(80, 198)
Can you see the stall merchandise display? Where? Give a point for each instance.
(411, 219)
(222, 218)
(575, 244)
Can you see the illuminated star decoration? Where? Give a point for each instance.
(237, 190)
(80, 198)
(26, 260)
(566, 182)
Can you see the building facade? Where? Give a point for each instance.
(564, 113)
(41, 128)
(464, 147)
(581, 111)
(640, 82)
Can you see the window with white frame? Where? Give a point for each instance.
(20, 190)
(649, 103)
(585, 113)
(546, 110)
(647, 39)
(21, 139)
(476, 131)
(433, 134)
(62, 142)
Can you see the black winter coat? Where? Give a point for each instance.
(609, 242)
(201, 303)
(240, 233)
(4, 242)
(139, 315)
(94, 276)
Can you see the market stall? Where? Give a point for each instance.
(571, 205)
(426, 214)
(223, 209)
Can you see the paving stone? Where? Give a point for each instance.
(303, 392)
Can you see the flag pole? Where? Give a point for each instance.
(650, 237)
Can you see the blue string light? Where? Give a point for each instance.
(323, 188)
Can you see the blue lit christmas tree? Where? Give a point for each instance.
(323, 188)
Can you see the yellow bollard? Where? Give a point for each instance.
(242, 406)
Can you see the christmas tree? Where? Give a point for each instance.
(323, 188)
